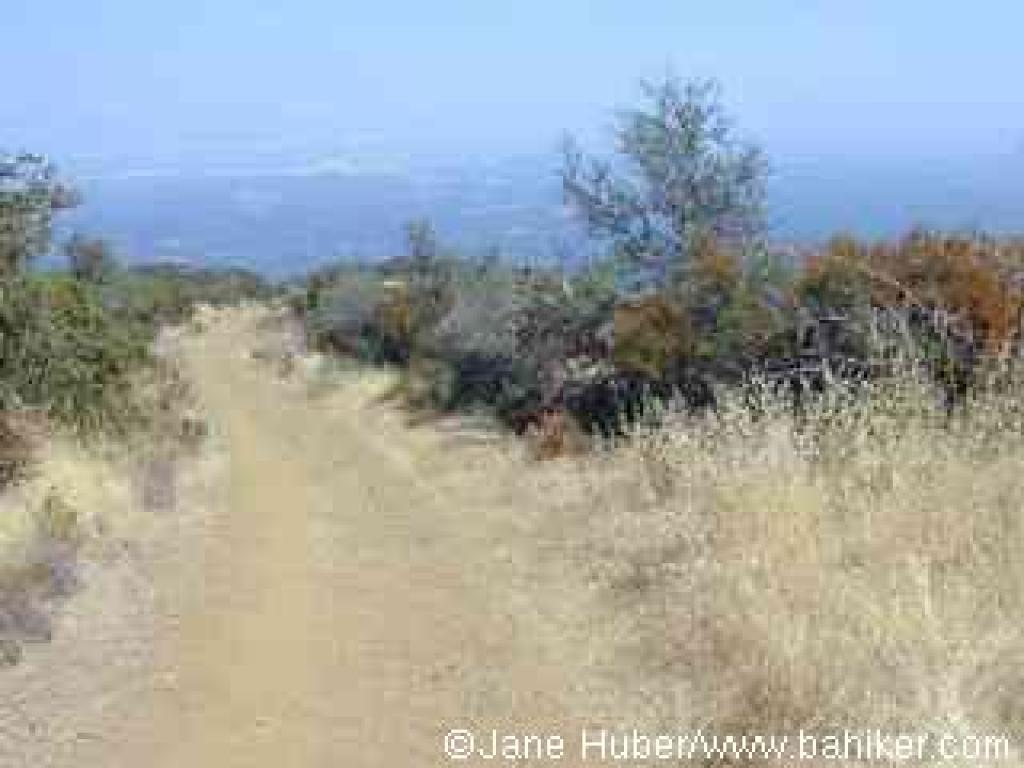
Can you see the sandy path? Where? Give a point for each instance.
(347, 613)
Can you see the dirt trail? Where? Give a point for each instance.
(344, 610)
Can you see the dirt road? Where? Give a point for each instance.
(343, 603)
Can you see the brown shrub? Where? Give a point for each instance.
(715, 268)
(838, 277)
(650, 335)
(554, 433)
(393, 317)
(972, 278)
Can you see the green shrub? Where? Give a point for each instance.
(63, 352)
(511, 338)
(166, 294)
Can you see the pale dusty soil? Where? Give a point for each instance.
(332, 588)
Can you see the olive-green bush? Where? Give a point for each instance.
(63, 352)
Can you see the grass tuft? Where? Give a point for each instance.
(859, 567)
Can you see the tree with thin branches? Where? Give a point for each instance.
(681, 178)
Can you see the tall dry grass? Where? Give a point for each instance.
(860, 566)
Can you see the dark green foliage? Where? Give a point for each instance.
(63, 352)
(474, 333)
(71, 343)
(497, 338)
(70, 347)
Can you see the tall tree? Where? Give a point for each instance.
(681, 177)
(29, 196)
(423, 247)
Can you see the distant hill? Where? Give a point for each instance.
(284, 222)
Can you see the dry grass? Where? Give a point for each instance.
(750, 573)
(41, 534)
(862, 569)
(16, 448)
(68, 498)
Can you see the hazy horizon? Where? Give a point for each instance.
(874, 117)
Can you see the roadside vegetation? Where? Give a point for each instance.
(760, 576)
(810, 515)
(692, 300)
(76, 364)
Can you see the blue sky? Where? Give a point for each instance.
(110, 83)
